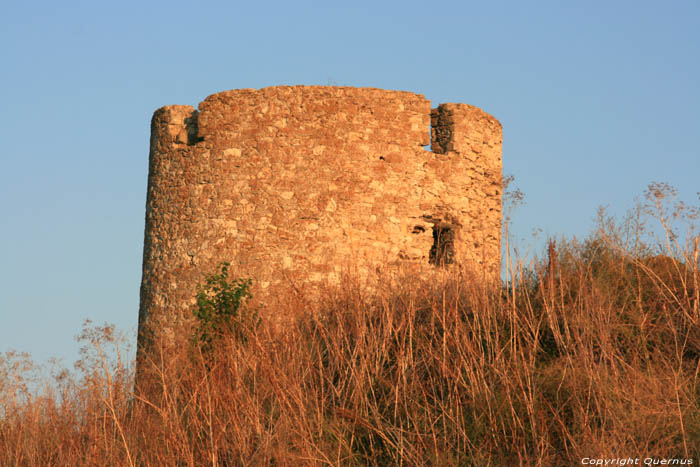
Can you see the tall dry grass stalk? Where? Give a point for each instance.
(592, 351)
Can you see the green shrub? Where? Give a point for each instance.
(220, 308)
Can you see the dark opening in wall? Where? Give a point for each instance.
(443, 250)
(191, 123)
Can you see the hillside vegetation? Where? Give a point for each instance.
(591, 351)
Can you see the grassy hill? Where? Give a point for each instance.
(593, 351)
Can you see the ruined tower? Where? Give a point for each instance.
(292, 184)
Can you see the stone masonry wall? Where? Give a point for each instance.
(294, 185)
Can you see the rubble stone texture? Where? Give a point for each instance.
(293, 185)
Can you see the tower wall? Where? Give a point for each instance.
(294, 185)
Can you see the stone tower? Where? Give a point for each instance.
(294, 184)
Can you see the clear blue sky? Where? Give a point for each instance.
(597, 100)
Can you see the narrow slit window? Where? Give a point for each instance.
(442, 252)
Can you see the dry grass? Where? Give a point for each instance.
(593, 351)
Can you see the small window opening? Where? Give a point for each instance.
(442, 252)
(192, 126)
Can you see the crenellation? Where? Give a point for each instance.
(295, 184)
